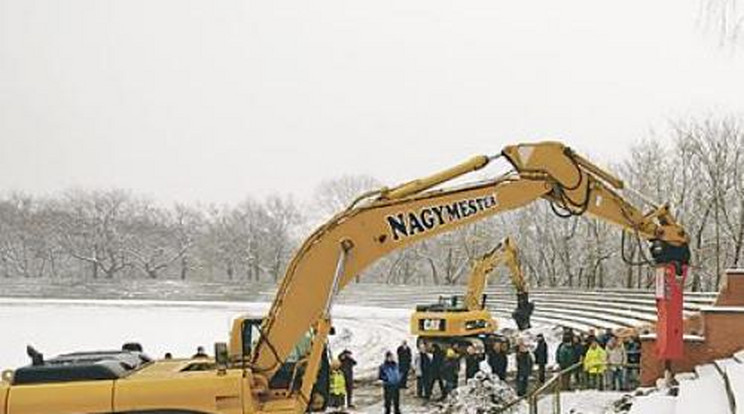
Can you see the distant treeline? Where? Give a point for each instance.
(697, 166)
(108, 234)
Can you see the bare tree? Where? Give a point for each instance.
(92, 230)
(283, 215)
(334, 195)
(189, 228)
(26, 247)
(154, 244)
(714, 145)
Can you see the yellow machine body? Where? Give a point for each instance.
(453, 324)
(168, 383)
(175, 386)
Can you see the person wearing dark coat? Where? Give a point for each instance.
(579, 352)
(633, 350)
(200, 353)
(422, 367)
(587, 341)
(541, 357)
(347, 368)
(390, 375)
(565, 357)
(524, 369)
(404, 362)
(437, 368)
(472, 362)
(498, 360)
(450, 371)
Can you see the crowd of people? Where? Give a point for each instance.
(603, 361)
(609, 361)
(438, 368)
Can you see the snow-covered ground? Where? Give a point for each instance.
(57, 326)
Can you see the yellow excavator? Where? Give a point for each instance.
(272, 362)
(448, 322)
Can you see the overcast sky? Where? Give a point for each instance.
(212, 101)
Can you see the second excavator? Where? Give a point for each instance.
(451, 321)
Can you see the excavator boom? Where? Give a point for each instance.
(391, 219)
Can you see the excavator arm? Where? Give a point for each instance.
(392, 218)
(511, 260)
(503, 253)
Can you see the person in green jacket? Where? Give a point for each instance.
(564, 356)
(337, 386)
(595, 365)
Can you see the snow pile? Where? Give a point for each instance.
(485, 393)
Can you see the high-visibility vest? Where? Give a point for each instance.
(595, 361)
(338, 383)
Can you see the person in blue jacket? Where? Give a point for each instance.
(391, 378)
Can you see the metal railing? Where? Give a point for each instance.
(553, 387)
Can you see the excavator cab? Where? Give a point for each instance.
(443, 304)
(450, 303)
(246, 333)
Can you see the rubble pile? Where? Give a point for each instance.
(482, 394)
